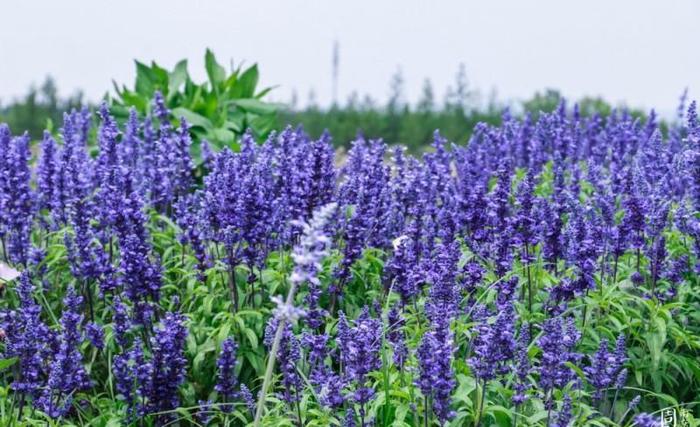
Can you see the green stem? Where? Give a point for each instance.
(273, 353)
(482, 397)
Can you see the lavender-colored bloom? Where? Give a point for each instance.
(634, 403)
(557, 342)
(139, 276)
(551, 227)
(330, 388)
(564, 417)
(241, 204)
(400, 269)
(247, 397)
(160, 109)
(646, 420)
(129, 149)
(635, 211)
(288, 355)
(207, 154)
(316, 346)
(443, 296)
(121, 321)
(323, 174)
(582, 250)
(66, 373)
(396, 336)
(605, 366)
(507, 292)
(183, 160)
(95, 334)
(364, 191)
(133, 378)
(522, 366)
(188, 218)
(123, 380)
(26, 338)
(146, 157)
(108, 173)
(204, 413)
(163, 179)
(500, 222)
(637, 278)
(436, 377)
(168, 362)
(359, 347)
(349, 420)
(88, 260)
(494, 345)
(621, 379)
(46, 172)
(74, 178)
(677, 270)
(142, 373)
(525, 223)
(17, 199)
(226, 377)
(328, 385)
(308, 254)
(472, 274)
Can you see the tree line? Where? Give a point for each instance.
(395, 121)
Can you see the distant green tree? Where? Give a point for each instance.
(396, 121)
(39, 109)
(547, 101)
(426, 103)
(459, 96)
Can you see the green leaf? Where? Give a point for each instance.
(252, 337)
(193, 118)
(178, 77)
(216, 73)
(262, 125)
(246, 84)
(223, 136)
(160, 77)
(256, 106)
(264, 92)
(145, 78)
(134, 99)
(6, 363)
(232, 126)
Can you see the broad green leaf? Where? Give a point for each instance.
(178, 77)
(256, 106)
(245, 88)
(262, 125)
(216, 73)
(223, 136)
(193, 118)
(145, 79)
(6, 363)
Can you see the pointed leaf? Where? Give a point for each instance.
(216, 73)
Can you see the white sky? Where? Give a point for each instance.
(640, 52)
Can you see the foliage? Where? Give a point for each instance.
(219, 110)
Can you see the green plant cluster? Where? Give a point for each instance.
(219, 110)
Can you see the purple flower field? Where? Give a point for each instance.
(543, 274)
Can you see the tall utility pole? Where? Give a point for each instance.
(336, 60)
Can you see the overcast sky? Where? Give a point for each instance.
(640, 52)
